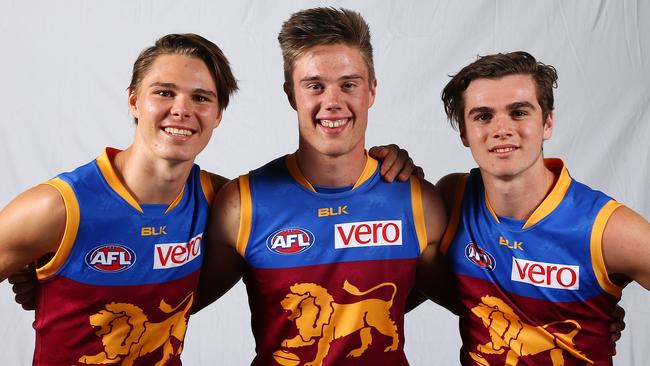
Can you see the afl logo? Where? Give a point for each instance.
(290, 241)
(110, 258)
(480, 257)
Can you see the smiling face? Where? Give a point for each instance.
(504, 125)
(176, 108)
(332, 94)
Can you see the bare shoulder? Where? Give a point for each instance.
(217, 181)
(626, 245)
(31, 225)
(447, 186)
(434, 210)
(41, 206)
(225, 213)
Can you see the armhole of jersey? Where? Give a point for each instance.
(70, 232)
(418, 213)
(207, 187)
(246, 214)
(597, 259)
(454, 217)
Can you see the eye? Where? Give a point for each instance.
(201, 98)
(314, 86)
(349, 85)
(517, 114)
(483, 117)
(164, 93)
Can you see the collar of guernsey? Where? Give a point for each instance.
(104, 162)
(292, 165)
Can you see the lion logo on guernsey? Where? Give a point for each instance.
(320, 321)
(517, 338)
(290, 241)
(480, 257)
(110, 258)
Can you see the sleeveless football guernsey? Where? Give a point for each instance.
(328, 270)
(120, 289)
(534, 292)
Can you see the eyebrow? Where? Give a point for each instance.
(175, 87)
(344, 77)
(509, 107)
(478, 110)
(519, 105)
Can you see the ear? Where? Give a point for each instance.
(548, 126)
(373, 91)
(132, 100)
(218, 120)
(288, 90)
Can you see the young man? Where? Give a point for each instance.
(125, 230)
(540, 258)
(328, 250)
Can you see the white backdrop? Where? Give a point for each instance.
(65, 65)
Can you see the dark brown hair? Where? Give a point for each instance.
(324, 26)
(493, 67)
(191, 45)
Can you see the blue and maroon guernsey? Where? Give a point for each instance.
(328, 272)
(120, 289)
(534, 292)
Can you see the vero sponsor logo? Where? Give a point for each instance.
(551, 275)
(176, 254)
(367, 233)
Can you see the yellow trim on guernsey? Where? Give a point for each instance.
(551, 201)
(418, 213)
(104, 163)
(246, 214)
(106, 167)
(70, 232)
(368, 171)
(208, 188)
(557, 193)
(291, 162)
(597, 259)
(454, 216)
(176, 200)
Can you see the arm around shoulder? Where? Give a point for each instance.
(222, 265)
(626, 247)
(31, 226)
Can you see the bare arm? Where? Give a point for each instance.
(626, 247)
(222, 265)
(31, 226)
(434, 277)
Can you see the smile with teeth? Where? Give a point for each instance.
(504, 149)
(177, 131)
(333, 123)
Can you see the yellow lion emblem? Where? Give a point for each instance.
(318, 317)
(509, 332)
(127, 334)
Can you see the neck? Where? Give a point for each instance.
(150, 181)
(331, 171)
(518, 197)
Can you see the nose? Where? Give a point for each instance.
(333, 99)
(182, 107)
(502, 127)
